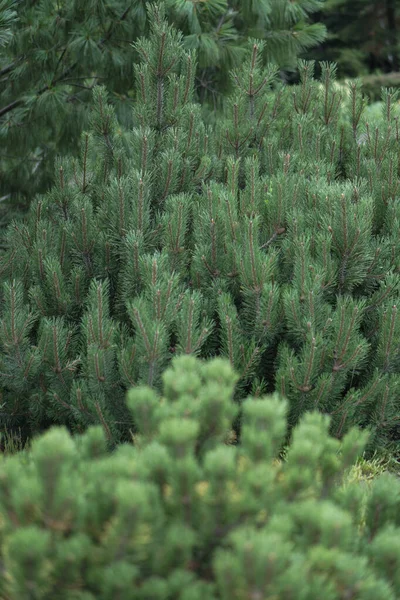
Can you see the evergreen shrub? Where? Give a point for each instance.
(187, 514)
(271, 240)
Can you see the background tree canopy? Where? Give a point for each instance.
(363, 36)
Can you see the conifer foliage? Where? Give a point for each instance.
(181, 515)
(57, 52)
(8, 16)
(270, 240)
(110, 254)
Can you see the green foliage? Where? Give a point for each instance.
(373, 84)
(58, 51)
(11, 443)
(8, 17)
(181, 515)
(363, 37)
(159, 241)
(159, 166)
(218, 29)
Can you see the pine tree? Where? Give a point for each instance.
(57, 53)
(269, 240)
(183, 514)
